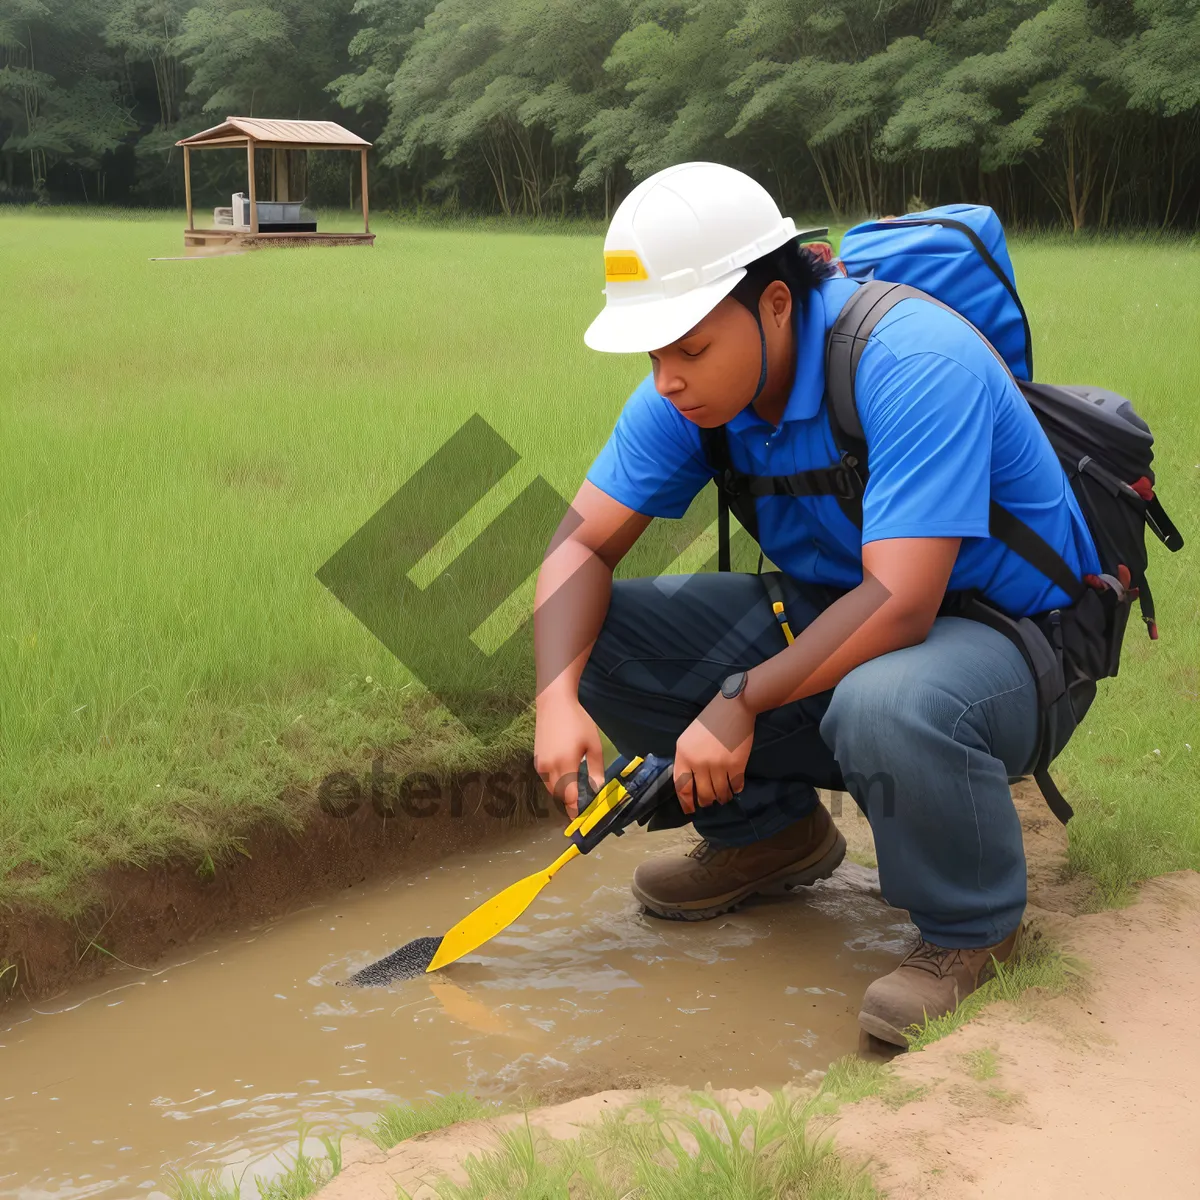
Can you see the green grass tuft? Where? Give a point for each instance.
(208, 1186)
(304, 1178)
(851, 1078)
(306, 1175)
(397, 1122)
(653, 1153)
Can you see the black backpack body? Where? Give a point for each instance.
(1105, 450)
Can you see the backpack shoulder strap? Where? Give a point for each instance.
(844, 346)
(847, 340)
(715, 445)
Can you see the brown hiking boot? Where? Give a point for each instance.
(710, 880)
(930, 981)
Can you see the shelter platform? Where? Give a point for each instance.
(243, 239)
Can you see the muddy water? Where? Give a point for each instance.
(211, 1061)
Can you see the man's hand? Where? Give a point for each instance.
(711, 754)
(564, 734)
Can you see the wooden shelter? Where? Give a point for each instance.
(286, 140)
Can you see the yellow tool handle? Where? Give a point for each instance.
(609, 796)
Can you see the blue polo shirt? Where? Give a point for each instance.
(947, 429)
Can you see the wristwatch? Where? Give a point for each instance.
(734, 685)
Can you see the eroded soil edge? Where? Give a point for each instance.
(139, 915)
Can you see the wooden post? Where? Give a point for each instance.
(187, 185)
(281, 175)
(366, 218)
(253, 203)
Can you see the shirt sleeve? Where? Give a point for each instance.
(928, 420)
(652, 462)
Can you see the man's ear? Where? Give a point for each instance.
(775, 304)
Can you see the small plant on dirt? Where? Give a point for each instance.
(528, 1165)
(981, 1063)
(398, 1122)
(851, 1078)
(898, 1096)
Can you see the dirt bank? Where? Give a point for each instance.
(141, 914)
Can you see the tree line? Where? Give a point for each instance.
(1083, 114)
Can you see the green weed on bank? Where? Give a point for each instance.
(303, 1178)
(665, 1155)
(398, 1122)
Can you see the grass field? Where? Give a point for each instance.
(187, 443)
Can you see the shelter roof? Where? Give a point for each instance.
(238, 131)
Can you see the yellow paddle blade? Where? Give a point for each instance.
(496, 914)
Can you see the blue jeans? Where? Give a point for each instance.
(925, 739)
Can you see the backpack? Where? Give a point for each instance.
(956, 257)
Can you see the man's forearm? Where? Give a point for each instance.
(863, 624)
(571, 600)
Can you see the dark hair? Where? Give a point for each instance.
(800, 269)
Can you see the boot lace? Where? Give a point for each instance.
(937, 960)
(702, 851)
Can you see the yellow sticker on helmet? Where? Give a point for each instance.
(623, 266)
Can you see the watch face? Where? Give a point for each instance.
(733, 685)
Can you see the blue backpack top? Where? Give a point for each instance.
(958, 255)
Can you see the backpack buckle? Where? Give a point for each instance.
(848, 482)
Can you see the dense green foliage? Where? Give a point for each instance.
(1081, 113)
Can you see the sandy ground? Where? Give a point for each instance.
(1094, 1094)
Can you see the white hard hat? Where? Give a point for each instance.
(678, 244)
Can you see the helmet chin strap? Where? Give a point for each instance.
(762, 375)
